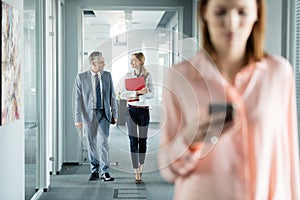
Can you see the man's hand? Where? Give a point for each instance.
(79, 125)
(113, 121)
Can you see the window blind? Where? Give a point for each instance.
(295, 45)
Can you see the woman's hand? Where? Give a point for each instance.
(207, 124)
(142, 91)
(132, 99)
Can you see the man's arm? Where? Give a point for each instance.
(79, 125)
(113, 100)
(77, 95)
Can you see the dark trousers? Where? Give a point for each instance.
(137, 120)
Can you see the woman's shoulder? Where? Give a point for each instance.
(197, 64)
(130, 73)
(275, 67)
(189, 63)
(277, 63)
(277, 59)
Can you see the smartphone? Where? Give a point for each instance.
(222, 107)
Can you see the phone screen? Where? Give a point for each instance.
(219, 107)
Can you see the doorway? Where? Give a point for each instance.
(118, 33)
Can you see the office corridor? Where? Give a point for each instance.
(72, 183)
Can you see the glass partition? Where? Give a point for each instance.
(31, 95)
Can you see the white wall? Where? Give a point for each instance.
(12, 181)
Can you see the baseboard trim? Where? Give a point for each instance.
(70, 163)
(37, 195)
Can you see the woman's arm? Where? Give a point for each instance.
(293, 140)
(125, 94)
(176, 157)
(150, 89)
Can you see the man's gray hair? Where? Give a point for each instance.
(94, 55)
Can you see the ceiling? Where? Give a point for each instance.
(116, 22)
(134, 19)
(102, 25)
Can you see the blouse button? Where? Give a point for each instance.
(214, 139)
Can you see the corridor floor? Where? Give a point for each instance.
(72, 183)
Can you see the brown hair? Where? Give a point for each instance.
(143, 71)
(255, 44)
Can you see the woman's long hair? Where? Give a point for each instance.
(255, 44)
(143, 71)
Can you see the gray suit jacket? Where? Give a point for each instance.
(84, 99)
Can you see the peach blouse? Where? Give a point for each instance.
(257, 158)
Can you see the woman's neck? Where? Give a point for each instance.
(137, 71)
(229, 66)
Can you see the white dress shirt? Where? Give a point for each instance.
(94, 87)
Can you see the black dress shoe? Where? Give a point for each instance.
(106, 177)
(94, 176)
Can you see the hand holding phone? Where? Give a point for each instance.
(212, 122)
(219, 108)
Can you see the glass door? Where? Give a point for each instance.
(31, 95)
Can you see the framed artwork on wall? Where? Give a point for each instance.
(10, 79)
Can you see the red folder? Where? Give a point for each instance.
(134, 84)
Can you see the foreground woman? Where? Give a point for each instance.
(252, 156)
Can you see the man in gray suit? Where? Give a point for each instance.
(95, 106)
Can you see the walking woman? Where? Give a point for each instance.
(253, 156)
(137, 115)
